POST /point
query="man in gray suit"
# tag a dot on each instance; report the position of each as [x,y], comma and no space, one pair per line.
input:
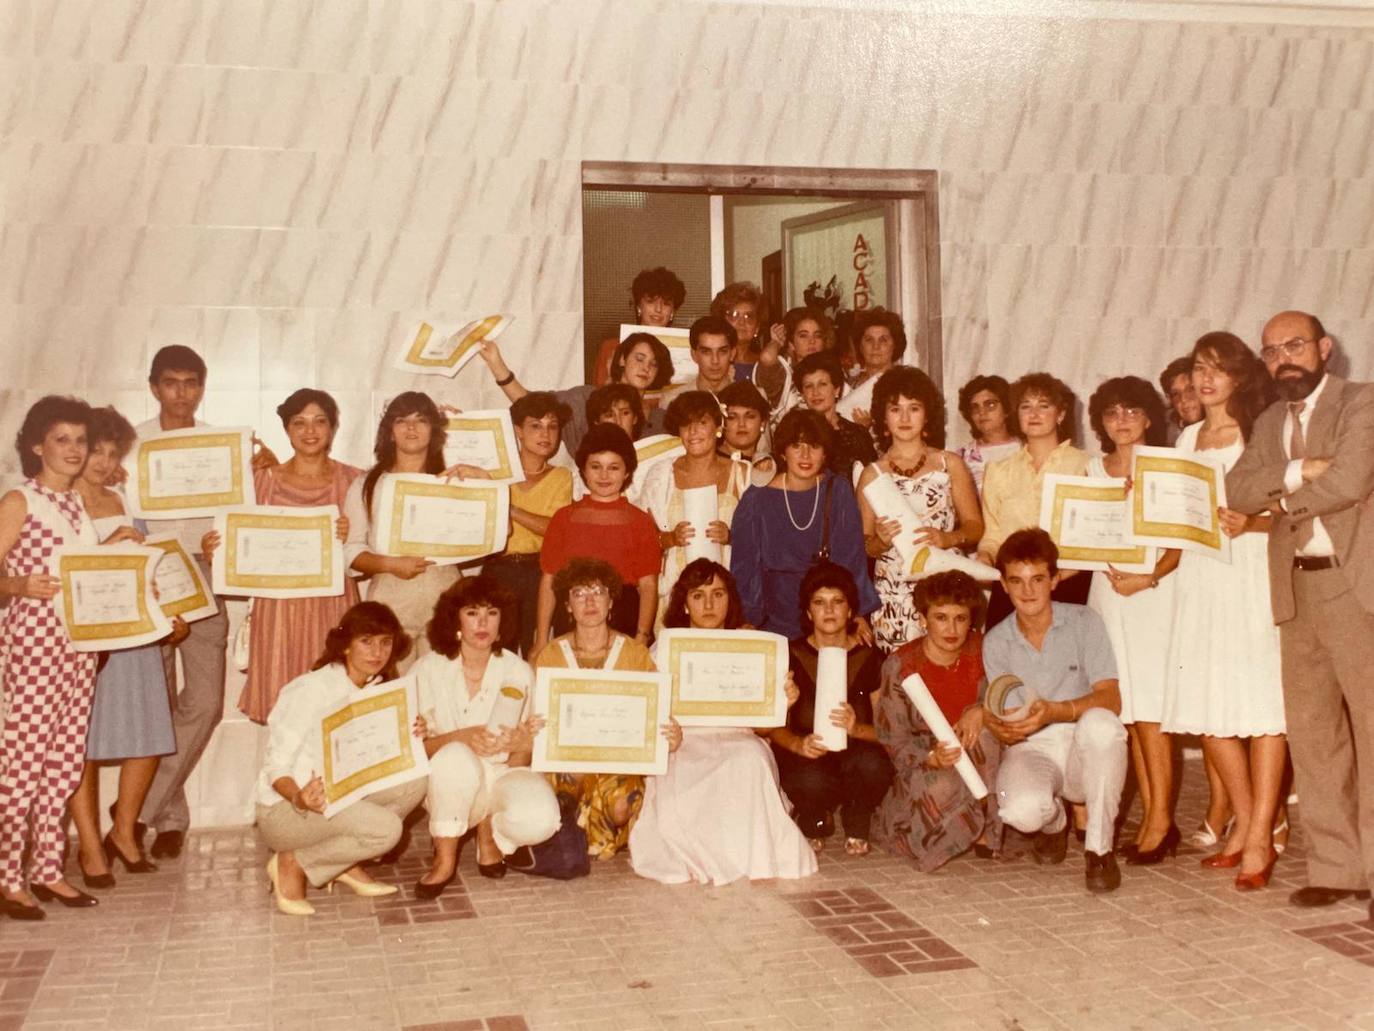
[1310,460]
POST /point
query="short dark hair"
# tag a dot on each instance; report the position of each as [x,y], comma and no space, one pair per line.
[658,282]
[662,377]
[827,362]
[606,436]
[699,573]
[46,413]
[537,404]
[743,394]
[295,404]
[1042,384]
[107,424]
[362,620]
[1180,366]
[688,407]
[716,326]
[870,317]
[796,316]
[603,399]
[952,587]
[802,426]
[178,358]
[1029,545]
[909,382]
[466,592]
[582,572]
[1132,392]
[732,294]
[995,385]
[826,574]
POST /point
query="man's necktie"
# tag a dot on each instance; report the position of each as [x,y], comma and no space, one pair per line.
[1297,448]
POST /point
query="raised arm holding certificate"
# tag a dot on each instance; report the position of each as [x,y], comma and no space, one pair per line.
[272,552]
[444,521]
[369,745]
[1175,500]
[106,601]
[192,472]
[181,587]
[725,678]
[486,440]
[601,721]
[1087,517]
[442,350]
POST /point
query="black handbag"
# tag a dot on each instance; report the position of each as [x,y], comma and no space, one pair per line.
[563,857]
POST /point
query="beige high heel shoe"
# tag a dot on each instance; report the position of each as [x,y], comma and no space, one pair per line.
[367,889]
[291,907]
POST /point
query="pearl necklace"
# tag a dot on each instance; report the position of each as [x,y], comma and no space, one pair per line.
[815,506]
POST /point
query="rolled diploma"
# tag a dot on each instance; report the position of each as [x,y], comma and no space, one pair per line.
[700,508]
[505,713]
[889,503]
[832,688]
[928,561]
[920,696]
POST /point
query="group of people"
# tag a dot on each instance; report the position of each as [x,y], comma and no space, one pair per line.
[790,431]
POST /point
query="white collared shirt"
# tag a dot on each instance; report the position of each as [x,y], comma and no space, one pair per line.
[443,697]
[295,746]
[1320,545]
[188,531]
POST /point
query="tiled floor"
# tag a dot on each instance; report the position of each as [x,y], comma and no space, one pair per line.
[867,943]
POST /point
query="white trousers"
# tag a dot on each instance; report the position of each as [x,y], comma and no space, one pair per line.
[1083,762]
[464,791]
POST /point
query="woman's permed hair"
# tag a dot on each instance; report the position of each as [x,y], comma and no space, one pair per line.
[46,413]
[412,402]
[295,404]
[802,426]
[689,406]
[1056,391]
[996,386]
[870,317]
[1129,392]
[658,282]
[469,592]
[907,381]
[826,574]
[367,618]
[607,436]
[108,425]
[585,572]
[952,587]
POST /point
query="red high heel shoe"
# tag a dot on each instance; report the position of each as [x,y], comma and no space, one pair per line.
[1259,879]
[1221,860]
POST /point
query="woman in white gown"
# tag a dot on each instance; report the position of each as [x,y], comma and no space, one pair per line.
[718,814]
[1223,678]
[1138,609]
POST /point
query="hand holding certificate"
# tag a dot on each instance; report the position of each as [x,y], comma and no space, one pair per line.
[485,440]
[189,473]
[181,587]
[1176,497]
[278,553]
[369,746]
[443,350]
[601,721]
[1087,517]
[725,678]
[445,522]
[106,600]
[918,560]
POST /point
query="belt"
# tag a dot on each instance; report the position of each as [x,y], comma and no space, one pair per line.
[523,556]
[1310,563]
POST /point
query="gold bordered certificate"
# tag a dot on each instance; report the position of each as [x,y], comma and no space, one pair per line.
[1087,517]
[601,721]
[650,451]
[444,521]
[189,473]
[369,744]
[442,350]
[181,587]
[677,341]
[725,678]
[487,440]
[1175,499]
[268,552]
[106,600]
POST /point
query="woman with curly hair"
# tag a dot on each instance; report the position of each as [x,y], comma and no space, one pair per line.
[985,404]
[656,296]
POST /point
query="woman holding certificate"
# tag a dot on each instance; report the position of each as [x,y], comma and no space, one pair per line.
[909,418]
[1223,678]
[1137,609]
[828,753]
[693,497]
[410,439]
[607,803]
[47,682]
[473,691]
[308,847]
[718,814]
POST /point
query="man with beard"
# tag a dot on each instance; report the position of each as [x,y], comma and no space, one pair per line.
[1311,461]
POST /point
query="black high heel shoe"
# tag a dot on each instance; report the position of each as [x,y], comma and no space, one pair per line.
[16,910]
[1168,845]
[426,890]
[78,901]
[98,881]
[495,870]
[112,853]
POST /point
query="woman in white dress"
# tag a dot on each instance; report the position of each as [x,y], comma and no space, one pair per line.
[1138,609]
[1224,676]
[909,416]
[473,692]
[718,814]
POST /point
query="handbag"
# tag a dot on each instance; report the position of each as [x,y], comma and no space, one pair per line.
[242,638]
[824,554]
[563,856]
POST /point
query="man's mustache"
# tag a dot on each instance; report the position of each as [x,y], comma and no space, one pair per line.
[1288,367]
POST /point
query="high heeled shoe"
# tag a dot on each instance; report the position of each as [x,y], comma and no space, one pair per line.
[16,910]
[367,889]
[1282,828]
[1168,846]
[1221,861]
[78,901]
[494,871]
[1259,879]
[1205,837]
[291,907]
[96,881]
[114,855]
[428,890]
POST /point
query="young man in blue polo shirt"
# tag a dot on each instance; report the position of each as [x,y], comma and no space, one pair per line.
[1070,744]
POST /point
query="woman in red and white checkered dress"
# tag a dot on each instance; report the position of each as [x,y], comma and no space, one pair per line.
[47,683]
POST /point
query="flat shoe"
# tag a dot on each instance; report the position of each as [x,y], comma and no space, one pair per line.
[1315,895]
[78,901]
[168,844]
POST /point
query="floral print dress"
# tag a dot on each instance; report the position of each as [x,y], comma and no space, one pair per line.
[932,497]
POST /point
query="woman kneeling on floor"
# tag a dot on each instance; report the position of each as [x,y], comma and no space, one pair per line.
[473,691]
[309,847]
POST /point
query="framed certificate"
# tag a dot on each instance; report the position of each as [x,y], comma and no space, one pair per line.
[268,552]
[725,678]
[189,473]
[601,721]
[485,439]
[1175,500]
[106,600]
[1087,518]
[661,447]
[181,587]
[369,745]
[443,351]
[445,521]
[677,341]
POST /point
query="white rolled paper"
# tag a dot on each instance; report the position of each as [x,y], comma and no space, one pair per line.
[859,398]
[918,560]
[832,691]
[928,561]
[701,508]
[926,705]
[505,713]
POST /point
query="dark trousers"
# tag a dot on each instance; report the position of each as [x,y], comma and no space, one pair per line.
[855,780]
[521,574]
[1074,590]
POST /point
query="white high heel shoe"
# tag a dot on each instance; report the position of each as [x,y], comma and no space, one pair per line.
[291,907]
[367,889]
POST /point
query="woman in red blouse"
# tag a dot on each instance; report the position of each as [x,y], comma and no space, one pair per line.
[928,815]
[604,525]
